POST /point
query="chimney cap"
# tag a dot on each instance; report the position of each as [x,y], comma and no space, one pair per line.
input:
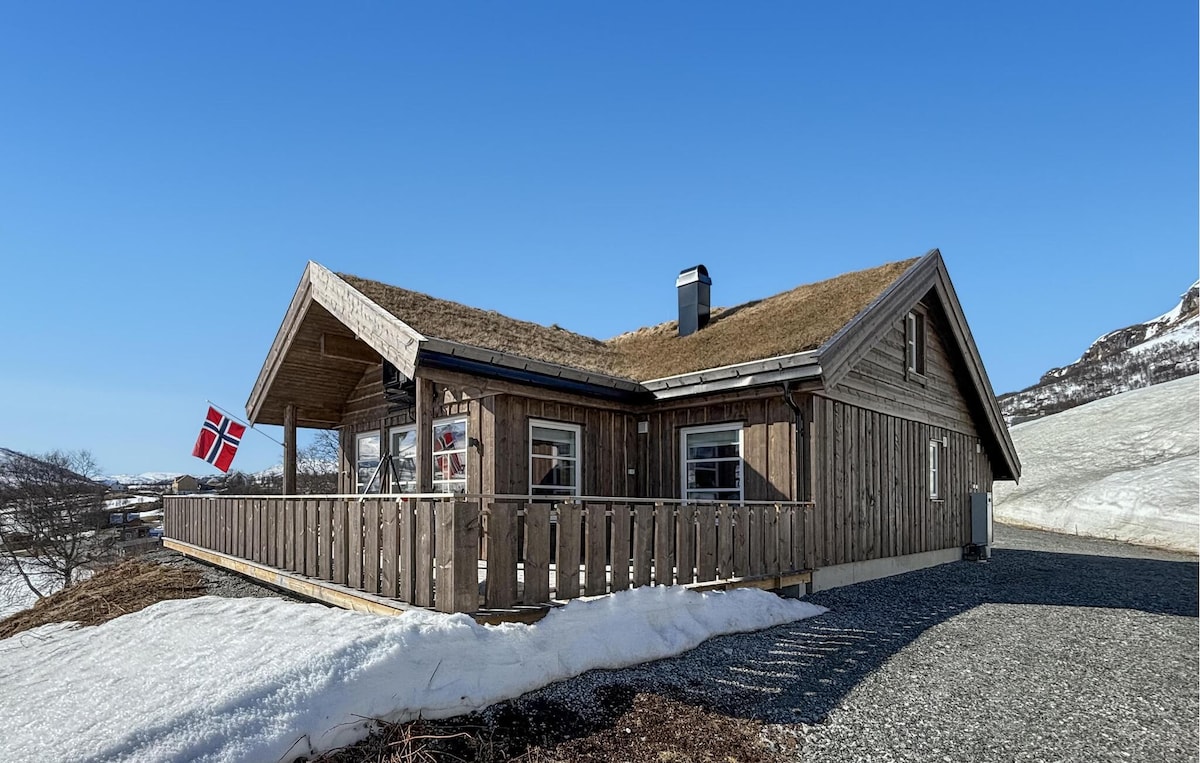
[692,275]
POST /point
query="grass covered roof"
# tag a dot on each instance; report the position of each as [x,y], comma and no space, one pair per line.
[793,321]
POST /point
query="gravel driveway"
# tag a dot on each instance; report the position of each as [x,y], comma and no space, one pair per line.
[1058,648]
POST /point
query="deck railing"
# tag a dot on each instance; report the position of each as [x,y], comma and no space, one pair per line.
[460,553]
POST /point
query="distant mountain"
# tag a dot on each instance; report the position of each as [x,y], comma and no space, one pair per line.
[1124,468]
[1159,350]
[145,478]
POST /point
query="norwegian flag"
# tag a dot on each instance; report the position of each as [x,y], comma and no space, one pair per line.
[219,439]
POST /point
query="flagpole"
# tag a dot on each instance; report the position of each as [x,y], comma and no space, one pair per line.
[243,421]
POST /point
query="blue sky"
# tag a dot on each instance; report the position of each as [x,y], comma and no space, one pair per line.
[166,170]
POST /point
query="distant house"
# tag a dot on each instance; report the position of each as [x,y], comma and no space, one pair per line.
[184,484]
[862,400]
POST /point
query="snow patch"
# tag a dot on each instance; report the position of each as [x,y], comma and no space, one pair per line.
[1126,467]
[265,679]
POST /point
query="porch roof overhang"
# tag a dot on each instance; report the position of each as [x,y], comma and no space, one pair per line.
[332,333]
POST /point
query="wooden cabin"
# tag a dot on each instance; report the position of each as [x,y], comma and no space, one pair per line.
[860,403]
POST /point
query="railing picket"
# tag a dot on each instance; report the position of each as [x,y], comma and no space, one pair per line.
[725,535]
[310,538]
[341,544]
[354,534]
[423,560]
[537,554]
[325,540]
[741,541]
[685,543]
[567,554]
[389,549]
[458,526]
[619,555]
[371,529]
[643,543]
[501,525]
[596,574]
[406,518]
[706,543]
[664,532]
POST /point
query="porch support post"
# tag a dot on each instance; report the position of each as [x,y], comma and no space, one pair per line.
[425,407]
[289,449]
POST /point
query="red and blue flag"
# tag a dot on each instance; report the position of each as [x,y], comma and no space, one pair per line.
[219,439]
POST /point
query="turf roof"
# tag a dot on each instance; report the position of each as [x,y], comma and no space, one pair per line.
[793,321]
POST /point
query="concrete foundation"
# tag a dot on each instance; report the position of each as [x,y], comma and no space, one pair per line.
[858,572]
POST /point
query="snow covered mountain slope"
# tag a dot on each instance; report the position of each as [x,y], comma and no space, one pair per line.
[1153,352]
[1126,467]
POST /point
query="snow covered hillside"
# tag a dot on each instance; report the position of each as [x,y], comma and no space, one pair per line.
[1137,356]
[1126,467]
[271,680]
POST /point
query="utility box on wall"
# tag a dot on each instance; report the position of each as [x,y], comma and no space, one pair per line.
[981,523]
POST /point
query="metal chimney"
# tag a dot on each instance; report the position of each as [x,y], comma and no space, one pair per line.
[694,287]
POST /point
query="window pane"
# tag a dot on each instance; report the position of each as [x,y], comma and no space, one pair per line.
[367,461]
[450,436]
[719,444]
[404,443]
[553,442]
[714,474]
[450,467]
[552,471]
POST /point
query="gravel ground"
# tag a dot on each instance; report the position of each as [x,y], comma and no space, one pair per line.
[1058,648]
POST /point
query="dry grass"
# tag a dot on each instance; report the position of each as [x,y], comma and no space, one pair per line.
[794,321]
[118,590]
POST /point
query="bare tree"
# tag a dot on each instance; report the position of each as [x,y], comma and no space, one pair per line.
[52,516]
[317,467]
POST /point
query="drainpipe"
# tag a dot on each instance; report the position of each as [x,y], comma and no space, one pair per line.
[801,492]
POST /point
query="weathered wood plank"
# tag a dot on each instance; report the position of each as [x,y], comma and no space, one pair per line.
[457,537]
[706,542]
[643,543]
[423,556]
[371,527]
[685,544]
[354,534]
[325,539]
[341,542]
[568,552]
[741,541]
[537,553]
[500,520]
[664,531]
[406,546]
[725,540]
[595,539]
[310,537]
[620,554]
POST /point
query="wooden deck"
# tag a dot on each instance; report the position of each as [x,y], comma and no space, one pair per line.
[494,557]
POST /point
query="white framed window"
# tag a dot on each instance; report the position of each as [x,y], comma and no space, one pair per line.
[403,452]
[935,469]
[711,463]
[553,458]
[450,455]
[914,342]
[366,461]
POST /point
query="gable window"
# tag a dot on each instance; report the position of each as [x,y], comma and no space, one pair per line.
[403,451]
[366,462]
[914,342]
[935,469]
[553,458]
[450,456]
[711,468]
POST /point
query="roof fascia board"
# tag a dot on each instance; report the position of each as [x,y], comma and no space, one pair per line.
[808,357]
[976,370]
[297,310]
[391,337]
[845,348]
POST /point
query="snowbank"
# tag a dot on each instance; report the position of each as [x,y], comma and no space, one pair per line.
[1126,467]
[265,679]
